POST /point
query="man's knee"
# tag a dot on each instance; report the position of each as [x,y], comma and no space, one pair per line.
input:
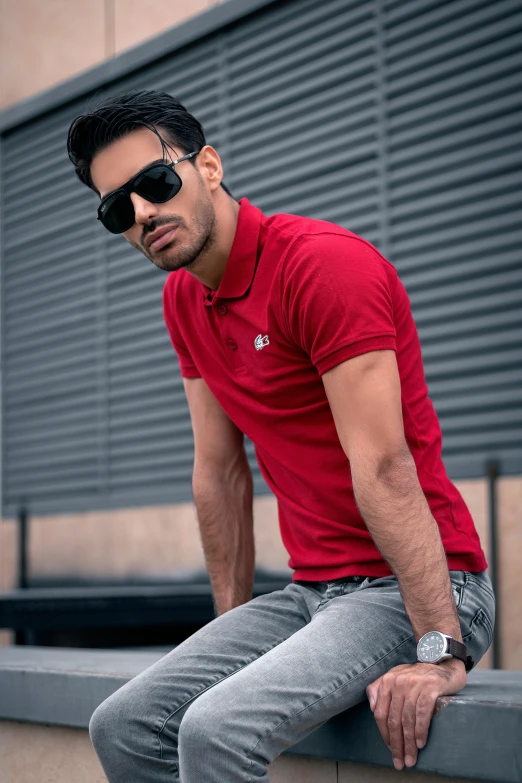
[109,721]
[201,724]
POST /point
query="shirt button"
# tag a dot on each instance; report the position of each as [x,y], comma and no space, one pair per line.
[232,345]
[222,309]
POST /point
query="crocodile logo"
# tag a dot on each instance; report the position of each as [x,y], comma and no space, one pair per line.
[260,342]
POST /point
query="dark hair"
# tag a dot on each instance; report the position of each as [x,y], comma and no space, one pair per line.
[115,117]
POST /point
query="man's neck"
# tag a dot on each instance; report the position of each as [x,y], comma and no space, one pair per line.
[212,263]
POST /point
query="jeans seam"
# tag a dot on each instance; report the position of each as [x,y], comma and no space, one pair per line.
[480,618]
[349,680]
[197,696]
[482,586]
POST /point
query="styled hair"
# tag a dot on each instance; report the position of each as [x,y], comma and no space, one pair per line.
[115,117]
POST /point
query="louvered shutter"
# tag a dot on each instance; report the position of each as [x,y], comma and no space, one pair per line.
[398,120]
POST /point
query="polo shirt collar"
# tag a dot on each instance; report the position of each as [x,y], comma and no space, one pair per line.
[241,263]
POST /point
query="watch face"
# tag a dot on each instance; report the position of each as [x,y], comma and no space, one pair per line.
[431,646]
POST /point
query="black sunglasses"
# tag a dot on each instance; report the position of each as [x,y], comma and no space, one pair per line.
[156,183]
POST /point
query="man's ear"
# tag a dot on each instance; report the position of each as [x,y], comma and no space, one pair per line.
[210,167]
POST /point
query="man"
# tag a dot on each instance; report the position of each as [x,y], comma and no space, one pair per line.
[299,334]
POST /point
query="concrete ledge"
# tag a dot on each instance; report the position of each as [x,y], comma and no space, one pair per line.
[56,754]
[475,736]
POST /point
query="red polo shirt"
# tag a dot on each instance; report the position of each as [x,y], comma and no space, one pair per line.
[298,297]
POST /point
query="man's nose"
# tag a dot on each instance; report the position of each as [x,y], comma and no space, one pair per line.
[144,210]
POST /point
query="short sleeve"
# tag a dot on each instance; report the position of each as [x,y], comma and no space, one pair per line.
[337,298]
[186,363]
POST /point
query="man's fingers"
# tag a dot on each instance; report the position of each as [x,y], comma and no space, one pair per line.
[403,701]
[409,717]
[381,708]
[395,728]
[425,708]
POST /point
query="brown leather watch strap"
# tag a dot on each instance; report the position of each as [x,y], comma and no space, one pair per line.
[459,650]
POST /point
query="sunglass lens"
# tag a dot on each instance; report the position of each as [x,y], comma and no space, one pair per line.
[118,214]
[158,184]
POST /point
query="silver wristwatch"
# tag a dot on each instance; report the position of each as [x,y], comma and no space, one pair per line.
[435,647]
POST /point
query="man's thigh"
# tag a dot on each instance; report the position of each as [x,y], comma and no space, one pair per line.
[158,697]
[320,670]
[356,634]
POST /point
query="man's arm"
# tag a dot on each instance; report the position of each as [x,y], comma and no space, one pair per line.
[365,398]
[223,495]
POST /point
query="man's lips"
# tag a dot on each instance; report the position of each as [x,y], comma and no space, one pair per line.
[160,237]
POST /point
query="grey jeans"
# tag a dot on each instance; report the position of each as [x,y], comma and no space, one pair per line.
[228,700]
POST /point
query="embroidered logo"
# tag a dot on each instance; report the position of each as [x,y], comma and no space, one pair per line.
[260,342]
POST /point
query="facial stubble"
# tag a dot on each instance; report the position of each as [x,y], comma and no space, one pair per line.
[201,238]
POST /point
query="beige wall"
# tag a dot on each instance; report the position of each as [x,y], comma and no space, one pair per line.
[45,43]
[163,539]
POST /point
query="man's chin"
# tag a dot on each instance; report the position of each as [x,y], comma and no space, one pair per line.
[171,264]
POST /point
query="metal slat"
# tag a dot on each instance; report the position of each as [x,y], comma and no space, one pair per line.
[288,86]
[460,441]
[414,239]
[44,464]
[288,169]
[481,420]
[24,435]
[449,390]
[492,154]
[445,219]
[487,132]
[494,81]
[241,35]
[142,373]
[346,125]
[43,230]
[351,128]
[28,487]
[403,12]
[31,387]
[444,287]
[160,479]
[20,260]
[503,399]
[477,249]
[48,410]
[439,365]
[444,14]
[298,49]
[436,46]
[353,94]
[60,389]
[456,267]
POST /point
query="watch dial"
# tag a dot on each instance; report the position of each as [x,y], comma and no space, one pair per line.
[431,647]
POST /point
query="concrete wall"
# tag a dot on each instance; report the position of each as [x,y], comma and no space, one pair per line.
[43,44]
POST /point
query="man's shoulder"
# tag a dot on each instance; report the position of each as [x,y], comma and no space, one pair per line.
[303,239]
[305,229]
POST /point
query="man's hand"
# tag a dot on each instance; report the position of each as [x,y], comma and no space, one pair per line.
[403,701]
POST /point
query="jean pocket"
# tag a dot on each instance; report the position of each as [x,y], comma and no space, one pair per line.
[458,582]
[478,636]
[477,617]
[483,581]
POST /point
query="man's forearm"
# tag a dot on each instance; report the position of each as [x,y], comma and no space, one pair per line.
[224,509]
[402,526]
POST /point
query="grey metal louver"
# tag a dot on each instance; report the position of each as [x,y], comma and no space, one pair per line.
[398,120]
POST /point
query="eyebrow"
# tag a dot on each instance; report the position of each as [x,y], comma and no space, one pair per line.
[152,163]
